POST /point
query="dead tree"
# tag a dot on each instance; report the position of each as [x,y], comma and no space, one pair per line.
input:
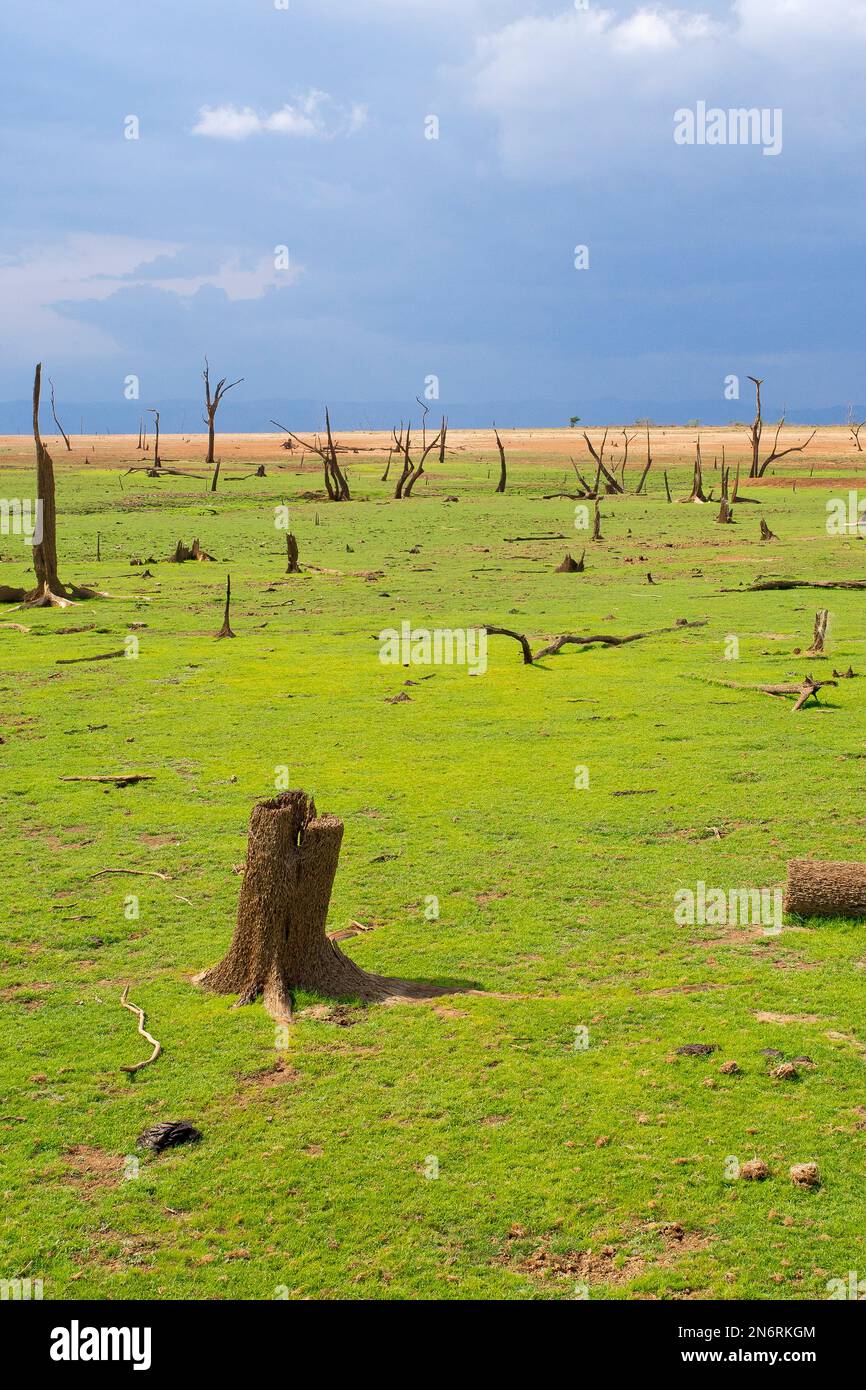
[758,469]
[596,523]
[822,619]
[503,475]
[628,439]
[212,401]
[279,943]
[647,466]
[757,430]
[49,591]
[408,466]
[416,474]
[828,889]
[766,533]
[155,414]
[339,482]
[444,434]
[777,453]
[292,554]
[226,629]
[56,421]
[336,483]
[855,433]
[697,493]
[611,483]
[667,486]
[726,511]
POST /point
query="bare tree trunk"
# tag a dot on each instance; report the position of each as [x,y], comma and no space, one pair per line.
[822,618]
[830,889]
[58,424]
[756,431]
[503,476]
[292,554]
[279,943]
[227,627]
[45,553]
[212,404]
[648,466]
[49,592]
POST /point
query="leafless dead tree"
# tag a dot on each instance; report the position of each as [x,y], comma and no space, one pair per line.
[503,473]
[56,421]
[212,405]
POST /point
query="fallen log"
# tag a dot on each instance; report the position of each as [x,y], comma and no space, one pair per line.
[118,779]
[100,656]
[825,889]
[763,585]
[571,639]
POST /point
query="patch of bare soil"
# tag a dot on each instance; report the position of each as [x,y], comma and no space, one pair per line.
[786,1018]
[343,1015]
[90,1168]
[279,1074]
[158,841]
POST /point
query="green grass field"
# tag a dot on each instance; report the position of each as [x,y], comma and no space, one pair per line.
[561,1168]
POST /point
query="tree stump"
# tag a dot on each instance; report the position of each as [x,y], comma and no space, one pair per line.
[830,889]
[279,943]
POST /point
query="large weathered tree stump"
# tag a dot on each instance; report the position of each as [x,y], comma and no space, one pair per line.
[830,889]
[279,944]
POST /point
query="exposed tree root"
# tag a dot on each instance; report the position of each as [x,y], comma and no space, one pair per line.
[157,1046]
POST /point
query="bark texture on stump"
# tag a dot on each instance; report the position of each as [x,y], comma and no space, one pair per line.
[829,889]
[279,943]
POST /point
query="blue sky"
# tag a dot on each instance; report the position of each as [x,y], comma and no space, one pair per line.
[304,127]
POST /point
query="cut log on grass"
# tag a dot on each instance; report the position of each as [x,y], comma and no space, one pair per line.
[226,629]
[279,943]
[805,691]
[826,889]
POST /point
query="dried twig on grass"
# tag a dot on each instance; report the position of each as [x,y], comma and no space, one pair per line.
[139,873]
[157,1046]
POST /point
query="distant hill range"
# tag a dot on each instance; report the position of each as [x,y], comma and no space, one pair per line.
[237,416]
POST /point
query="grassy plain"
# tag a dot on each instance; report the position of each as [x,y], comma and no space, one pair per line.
[558,1166]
